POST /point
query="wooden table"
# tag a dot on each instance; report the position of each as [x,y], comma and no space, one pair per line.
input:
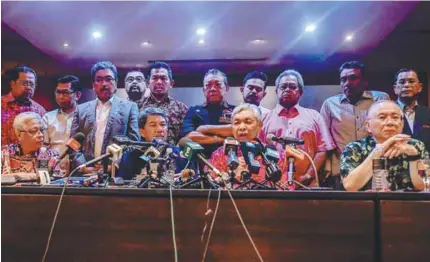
[135,225]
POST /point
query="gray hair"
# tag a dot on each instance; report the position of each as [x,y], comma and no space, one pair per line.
[215,71]
[247,107]
[291,72]
[22,119]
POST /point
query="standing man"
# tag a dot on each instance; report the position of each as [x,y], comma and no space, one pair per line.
[407,87]
[22,82]
[160,81]
[254,89]
[345,114]
[58,123]
[135,86]
[214,111]
[106,116]
[289,119]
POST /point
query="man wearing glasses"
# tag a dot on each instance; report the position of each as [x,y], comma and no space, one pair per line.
[345,114]
[160,80]
[384,123]
[58,123]
[106,116]
[407,87]
[135,86]
[22,81]
[289,119]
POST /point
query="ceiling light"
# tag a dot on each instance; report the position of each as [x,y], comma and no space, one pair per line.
[66,45]
[349,37]
[310,28]
[97,34]
[201,41]
[201,31]
[258,41]
[146,43]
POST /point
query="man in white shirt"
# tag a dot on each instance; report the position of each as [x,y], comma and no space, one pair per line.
[57,123]
[106,116]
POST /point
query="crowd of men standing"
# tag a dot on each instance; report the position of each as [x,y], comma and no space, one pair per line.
[343,118]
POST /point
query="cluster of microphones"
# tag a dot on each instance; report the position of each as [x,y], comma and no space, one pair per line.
[155,154]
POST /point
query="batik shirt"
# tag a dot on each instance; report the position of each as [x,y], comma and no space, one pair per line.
[175,112]
[398,168]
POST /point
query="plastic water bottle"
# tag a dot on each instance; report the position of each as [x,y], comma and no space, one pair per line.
[380,174]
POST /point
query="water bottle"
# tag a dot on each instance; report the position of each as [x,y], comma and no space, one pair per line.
[380,174]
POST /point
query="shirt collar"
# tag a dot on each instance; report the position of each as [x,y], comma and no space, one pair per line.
[365,95]
[402,105]
[9,98]
[110,101]
[223,104]
[279,108]
[167,99]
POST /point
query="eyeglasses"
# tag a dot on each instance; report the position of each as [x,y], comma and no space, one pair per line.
[395,118]
[63,92]
[26,83]
[33,132]
[292,87]
[131,79]
[108,79]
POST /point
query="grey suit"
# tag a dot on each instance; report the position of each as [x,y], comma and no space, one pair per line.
[122,120]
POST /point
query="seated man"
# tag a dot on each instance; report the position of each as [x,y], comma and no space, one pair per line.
[153,123]
[246,125]
[385,124]
[21,160]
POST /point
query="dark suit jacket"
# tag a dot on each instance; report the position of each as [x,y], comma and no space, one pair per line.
[122,120]
[421,126]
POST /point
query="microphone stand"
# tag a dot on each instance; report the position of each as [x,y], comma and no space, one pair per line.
[150,179]
[203,179]
[249,180]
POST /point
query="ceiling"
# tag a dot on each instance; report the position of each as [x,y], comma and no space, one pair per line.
[170,28]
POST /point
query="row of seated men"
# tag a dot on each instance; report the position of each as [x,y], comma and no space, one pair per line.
[345,132]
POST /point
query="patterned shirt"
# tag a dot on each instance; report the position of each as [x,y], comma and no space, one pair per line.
[13,161]
[398,168]
[175,111]
[10,108]
[298,122]
[346,121]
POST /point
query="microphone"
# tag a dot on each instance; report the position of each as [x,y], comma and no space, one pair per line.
[73,145]
[192,150]
[125,140]
[285,140]
[10,180]
[113,150]
[273,172]
[230,149]
[250,151]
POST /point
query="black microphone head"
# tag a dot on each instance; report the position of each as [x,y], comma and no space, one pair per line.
[121,140]
[271,137]
[79,137]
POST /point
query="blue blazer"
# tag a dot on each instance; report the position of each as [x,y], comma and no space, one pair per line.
[122,120]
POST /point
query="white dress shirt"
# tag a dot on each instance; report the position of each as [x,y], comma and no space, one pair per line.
[102,114]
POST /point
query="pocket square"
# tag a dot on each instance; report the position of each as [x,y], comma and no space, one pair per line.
[425,126]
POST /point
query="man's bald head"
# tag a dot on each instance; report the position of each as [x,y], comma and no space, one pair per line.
[378,105]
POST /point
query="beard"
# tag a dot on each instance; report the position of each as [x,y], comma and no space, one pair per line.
[135,95]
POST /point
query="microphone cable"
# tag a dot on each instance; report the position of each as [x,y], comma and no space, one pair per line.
[207,213]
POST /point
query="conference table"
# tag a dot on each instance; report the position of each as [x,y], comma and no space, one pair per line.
[126,224]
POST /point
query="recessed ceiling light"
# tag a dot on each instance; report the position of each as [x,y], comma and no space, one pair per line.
[258,41]
[201,41]
[310,28]
[66,45]
[349,37]
[146,43]
[201,31]
[97,34]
